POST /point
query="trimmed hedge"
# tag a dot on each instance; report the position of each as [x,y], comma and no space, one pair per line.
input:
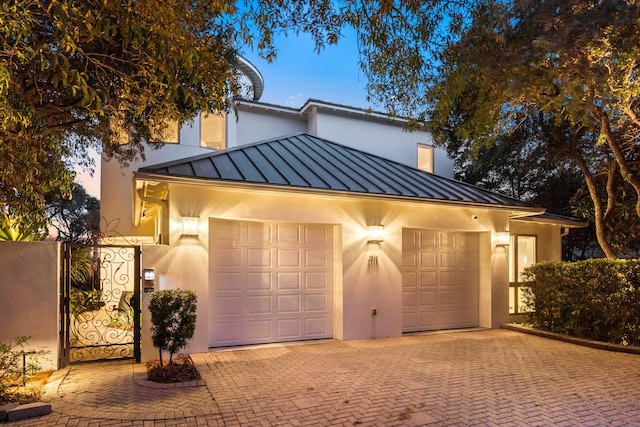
[595,299]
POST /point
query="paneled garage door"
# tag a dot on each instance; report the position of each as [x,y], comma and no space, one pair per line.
[270,282]
[439,280]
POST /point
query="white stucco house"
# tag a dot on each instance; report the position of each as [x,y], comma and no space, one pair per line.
[323,222]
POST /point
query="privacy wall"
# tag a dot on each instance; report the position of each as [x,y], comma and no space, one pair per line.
[29,296]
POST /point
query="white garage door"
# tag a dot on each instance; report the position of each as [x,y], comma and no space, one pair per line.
[270,282]
[439,280]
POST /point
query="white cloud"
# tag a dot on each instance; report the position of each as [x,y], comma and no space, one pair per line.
[294,100]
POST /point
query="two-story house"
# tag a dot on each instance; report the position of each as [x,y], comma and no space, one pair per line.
[323,222]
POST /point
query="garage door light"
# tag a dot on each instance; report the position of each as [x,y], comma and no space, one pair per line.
[375,233]
[502,238]
[190,226]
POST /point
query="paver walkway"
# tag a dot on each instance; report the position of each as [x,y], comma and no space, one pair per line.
[485,378]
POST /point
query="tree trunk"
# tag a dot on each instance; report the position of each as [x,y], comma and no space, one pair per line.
[597,205]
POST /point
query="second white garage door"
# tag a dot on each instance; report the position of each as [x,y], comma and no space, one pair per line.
[439,280]
[270,282]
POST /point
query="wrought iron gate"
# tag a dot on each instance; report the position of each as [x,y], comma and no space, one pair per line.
[100,303]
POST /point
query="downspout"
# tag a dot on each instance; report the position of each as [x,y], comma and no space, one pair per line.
[163,219]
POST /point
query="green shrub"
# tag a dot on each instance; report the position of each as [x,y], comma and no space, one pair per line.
[173,318]
[17,228]
[15,368]
[81,301]
[82,268]
[594,299]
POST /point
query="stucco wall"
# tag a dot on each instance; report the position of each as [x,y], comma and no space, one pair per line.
[250,126]
[29,296]
[185,262]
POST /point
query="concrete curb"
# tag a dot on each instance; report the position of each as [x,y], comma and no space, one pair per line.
[4,409]
[28,410]
[573,340]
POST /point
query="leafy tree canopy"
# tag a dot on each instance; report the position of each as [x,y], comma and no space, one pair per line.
[75,219]
[570,65]
[73,72]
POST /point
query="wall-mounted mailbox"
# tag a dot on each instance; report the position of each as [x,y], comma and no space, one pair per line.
[149,279]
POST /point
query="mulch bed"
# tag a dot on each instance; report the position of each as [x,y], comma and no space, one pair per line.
[28,393]
[181,369]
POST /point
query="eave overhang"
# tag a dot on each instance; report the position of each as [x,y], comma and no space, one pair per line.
[553,219]
[157,179]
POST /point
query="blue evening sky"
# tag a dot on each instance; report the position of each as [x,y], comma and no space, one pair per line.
[299,73]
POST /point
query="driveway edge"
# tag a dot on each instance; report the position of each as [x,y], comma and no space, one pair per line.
[573,340]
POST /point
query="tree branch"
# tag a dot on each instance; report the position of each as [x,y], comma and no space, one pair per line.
[612,141]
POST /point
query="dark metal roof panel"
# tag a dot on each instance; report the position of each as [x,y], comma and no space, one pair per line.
[184,169]
[226,168]
[328,175]
[371,172]
[265,166]
[305,161]
[204,168]
[246,167]
[288,172]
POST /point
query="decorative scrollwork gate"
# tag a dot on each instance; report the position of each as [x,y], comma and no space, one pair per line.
[101,302]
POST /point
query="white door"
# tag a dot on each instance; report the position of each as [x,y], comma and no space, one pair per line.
[439,280]
[270,282]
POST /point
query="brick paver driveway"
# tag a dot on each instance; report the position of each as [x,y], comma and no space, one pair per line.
[478,378]
[493,377]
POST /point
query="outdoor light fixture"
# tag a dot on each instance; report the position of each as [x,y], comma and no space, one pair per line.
[502,238]
[375,233]
[190,225]
[149,276]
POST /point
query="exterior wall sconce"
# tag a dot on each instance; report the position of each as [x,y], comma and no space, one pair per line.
[149,277]
[502,238]
[375,233]
[190,226]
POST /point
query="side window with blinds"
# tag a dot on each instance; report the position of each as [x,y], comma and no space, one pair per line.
[171,133]
[120,135]
[213,132]
[425,157]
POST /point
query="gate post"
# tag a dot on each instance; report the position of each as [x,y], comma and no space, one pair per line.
[65,289]
[137,312]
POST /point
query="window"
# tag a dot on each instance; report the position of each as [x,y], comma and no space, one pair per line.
[522,254]
[425,157]
[117,131]
[213,131]
[170,134]
[121,136]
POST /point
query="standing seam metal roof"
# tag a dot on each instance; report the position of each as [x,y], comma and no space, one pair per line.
[306,161]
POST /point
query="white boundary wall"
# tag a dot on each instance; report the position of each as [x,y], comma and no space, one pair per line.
[30,297]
